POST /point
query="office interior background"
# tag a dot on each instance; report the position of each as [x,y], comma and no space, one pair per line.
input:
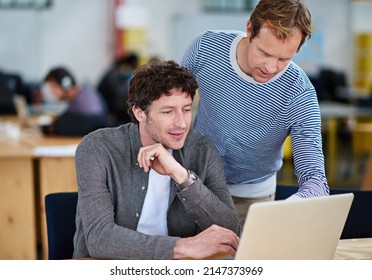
[86,36]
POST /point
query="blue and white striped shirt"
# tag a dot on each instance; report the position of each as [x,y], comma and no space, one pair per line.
[249,121]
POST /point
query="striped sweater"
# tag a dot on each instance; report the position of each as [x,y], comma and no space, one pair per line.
[249,121]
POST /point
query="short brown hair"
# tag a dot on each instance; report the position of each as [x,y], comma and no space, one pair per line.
[281,16]
[150,81]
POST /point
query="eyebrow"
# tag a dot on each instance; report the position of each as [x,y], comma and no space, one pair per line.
[169,106]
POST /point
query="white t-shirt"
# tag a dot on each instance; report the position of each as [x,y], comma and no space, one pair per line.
[153,220]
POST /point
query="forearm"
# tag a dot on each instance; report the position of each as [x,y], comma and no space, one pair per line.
[123,243]
[207,208]
[307,147]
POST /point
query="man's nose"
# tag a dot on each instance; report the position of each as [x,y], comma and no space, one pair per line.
[272,65]
[180,120]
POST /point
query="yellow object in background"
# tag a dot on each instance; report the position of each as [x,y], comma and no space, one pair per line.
[287,148]
[363,64]
[364,40]
[135,39]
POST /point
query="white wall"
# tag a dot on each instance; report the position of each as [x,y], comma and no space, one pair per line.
[20,35]
[75,33]
[361,14]
[185,26]
[335,18]
[161,13]
[78,33]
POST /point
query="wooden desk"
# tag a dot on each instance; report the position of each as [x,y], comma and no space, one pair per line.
[56,174]
[347,249]
[25,180]
[354,249]
[17,202]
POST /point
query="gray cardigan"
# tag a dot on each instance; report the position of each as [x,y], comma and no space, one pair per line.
[112,190]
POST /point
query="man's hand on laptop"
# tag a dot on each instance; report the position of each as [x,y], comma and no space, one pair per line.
[215,240]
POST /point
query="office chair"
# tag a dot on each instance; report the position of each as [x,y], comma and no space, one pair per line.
[359,220]
[78,124]
[60,210]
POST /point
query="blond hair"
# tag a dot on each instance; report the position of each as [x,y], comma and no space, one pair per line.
[282,17]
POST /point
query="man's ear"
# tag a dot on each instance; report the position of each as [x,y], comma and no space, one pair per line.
[248,29]
[139,114]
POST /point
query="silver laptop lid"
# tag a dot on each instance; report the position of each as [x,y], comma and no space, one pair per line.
[294,229]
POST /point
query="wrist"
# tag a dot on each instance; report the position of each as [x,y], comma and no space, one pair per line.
[181,176]
[191,179]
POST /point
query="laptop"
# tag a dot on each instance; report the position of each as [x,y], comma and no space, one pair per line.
[22,111]
[300,229]
[43,112]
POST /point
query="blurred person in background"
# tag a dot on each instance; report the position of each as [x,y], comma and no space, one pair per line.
[113,86]
[86,109]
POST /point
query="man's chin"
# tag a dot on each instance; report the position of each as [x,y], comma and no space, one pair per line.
[175,145]
[260,79]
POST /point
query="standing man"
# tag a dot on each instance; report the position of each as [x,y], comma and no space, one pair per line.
[151,189]
[252,96]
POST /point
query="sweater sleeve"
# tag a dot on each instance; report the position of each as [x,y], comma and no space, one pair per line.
[305,131]
[208,200]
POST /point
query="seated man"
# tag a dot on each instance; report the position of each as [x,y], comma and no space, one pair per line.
[86,109]
[81,99]
[151,189]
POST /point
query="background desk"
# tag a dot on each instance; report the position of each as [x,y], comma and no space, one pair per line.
[25,180]
[331,112]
